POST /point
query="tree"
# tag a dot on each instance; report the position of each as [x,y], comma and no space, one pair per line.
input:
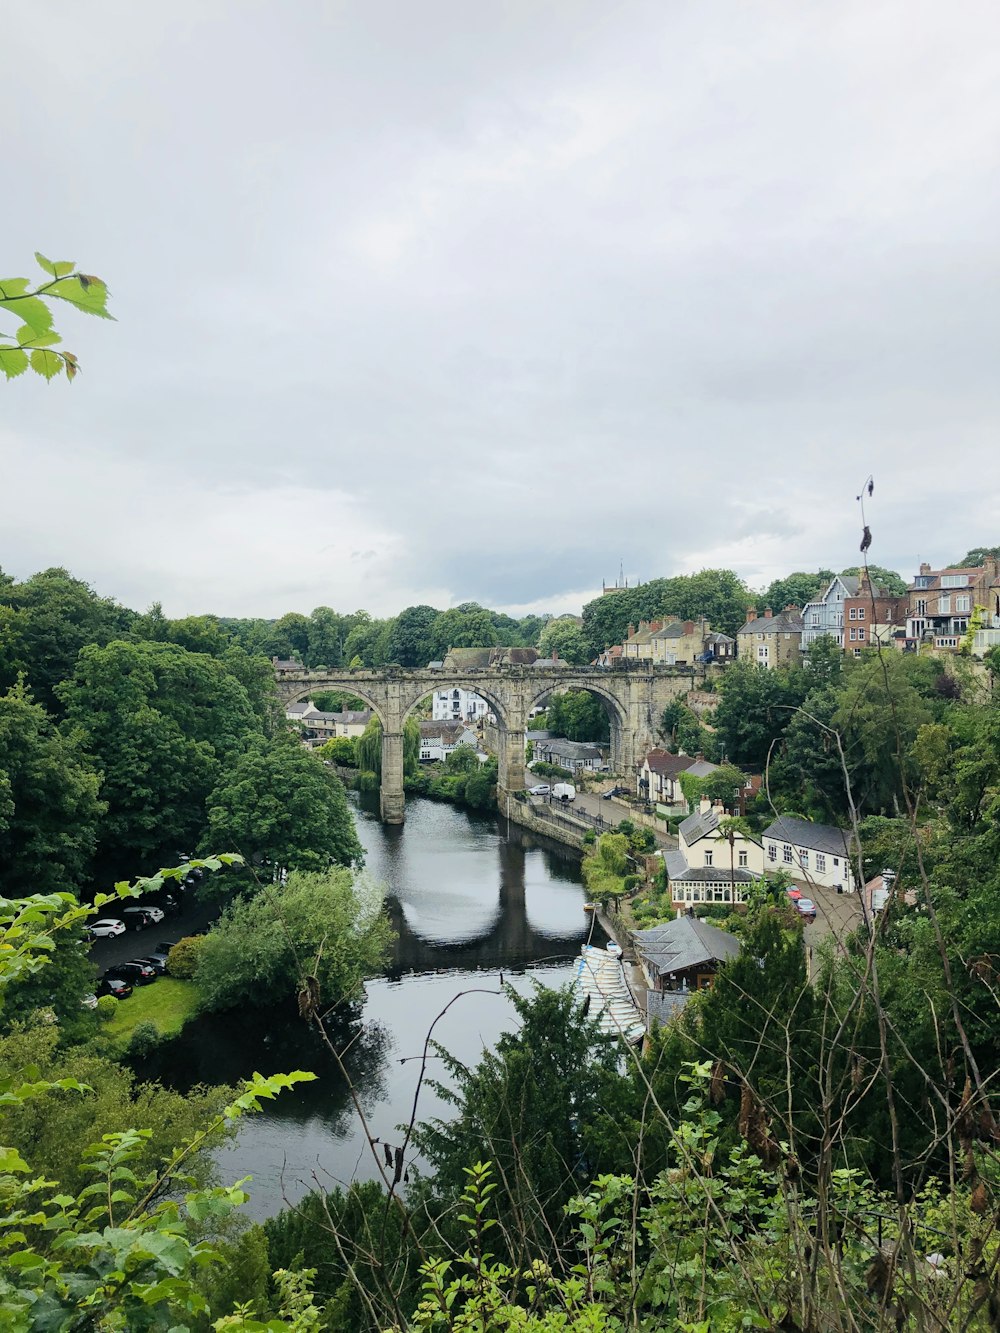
[45,622]
[32,342]
[160,724]
[326,636]
[888,579]
[978,556]
[795,589]
[326,928]
[578,715]
[755,706]
[289,638]
[564,637]
[49,803]
[280,807]
[723,785]
[410,641]
[465,626]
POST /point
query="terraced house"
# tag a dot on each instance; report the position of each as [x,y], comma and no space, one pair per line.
[942,603]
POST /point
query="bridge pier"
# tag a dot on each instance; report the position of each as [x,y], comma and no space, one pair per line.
[392,802]
[510,757]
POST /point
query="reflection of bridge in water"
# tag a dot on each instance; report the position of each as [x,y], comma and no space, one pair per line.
[633,696]
[506,936]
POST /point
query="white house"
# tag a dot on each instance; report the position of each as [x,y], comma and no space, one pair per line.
[711,864]
[439,739]
[816,853]
[573,755]
[457,705]
[826,614]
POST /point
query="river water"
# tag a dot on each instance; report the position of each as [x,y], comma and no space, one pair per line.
[470,901]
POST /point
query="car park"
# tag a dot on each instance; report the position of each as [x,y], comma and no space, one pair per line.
[541,789]
[105,928]
[156,961]
[806,908]
[114,985]
[136,970]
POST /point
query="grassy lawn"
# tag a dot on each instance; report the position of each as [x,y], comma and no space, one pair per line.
[167,1002]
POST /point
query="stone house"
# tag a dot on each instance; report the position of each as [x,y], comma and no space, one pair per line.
[684,642]
[573,755]
[812,853]
[771,640]
[637,646]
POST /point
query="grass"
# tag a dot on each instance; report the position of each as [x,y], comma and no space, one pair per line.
[167,1002]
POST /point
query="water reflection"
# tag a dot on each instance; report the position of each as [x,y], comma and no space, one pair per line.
[469,900]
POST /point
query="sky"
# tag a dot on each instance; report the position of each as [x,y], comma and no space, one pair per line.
[478,302]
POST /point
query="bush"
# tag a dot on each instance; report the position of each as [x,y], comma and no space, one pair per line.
[106,1006]
[632,882]
[182,961]
[627,827]
[144,1040]
[589,838]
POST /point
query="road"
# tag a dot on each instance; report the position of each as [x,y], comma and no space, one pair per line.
[606,813]
[134,943]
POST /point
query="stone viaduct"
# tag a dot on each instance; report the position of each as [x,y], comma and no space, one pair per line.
[634,696]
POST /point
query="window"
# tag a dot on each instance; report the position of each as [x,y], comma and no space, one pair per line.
[772,852]
[743,859]
[853,613]
[814,619]
[857,652]
[719,893]
[854,634]
[708,858]
[954,580]
[861,633]
[804,859]
[963,604]
[787,854]
[861,613]
[820,863]
[944,606]
[921,607]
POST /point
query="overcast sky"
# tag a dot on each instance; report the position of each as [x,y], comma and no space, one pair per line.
[463,301]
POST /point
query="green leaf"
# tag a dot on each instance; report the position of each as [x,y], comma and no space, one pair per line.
[11,1160]
[46,363]
[85,292]
[46,264]
[33,311]
[11,287]
[27,337]
[13,361]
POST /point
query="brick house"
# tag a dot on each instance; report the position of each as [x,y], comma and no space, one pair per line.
[942,602]
[872,615]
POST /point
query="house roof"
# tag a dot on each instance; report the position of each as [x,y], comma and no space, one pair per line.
[446,729]
[662,761]
[701,768]
[934,578]
[785,622]
[685,943]
[715,875]
[463,659]
[302,706]
[716,637]
[804,833]
[698,825]
[286,664]
[353,716]
[571,749]
[663,1005]
[672,630]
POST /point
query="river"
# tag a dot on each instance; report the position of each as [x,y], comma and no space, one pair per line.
[469,900]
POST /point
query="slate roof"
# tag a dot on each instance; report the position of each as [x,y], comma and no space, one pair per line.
[785,622]
[569,749]
[662,761]
[676,863]
[464,659]
[663,1005]
[302,706]
[701,768]
[714,875]
[698,825]
[804,833]
[685,943]
[673,629]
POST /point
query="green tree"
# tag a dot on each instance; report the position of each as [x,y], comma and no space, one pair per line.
[410,641]
[49,803]
[564,637]
[978,556]
[31,340]
[326,637]
[326,926]
[289,638]
[465,626]
[755,706]
[160,724]
[578,715]
[794,589]
[888,579]
[280,807]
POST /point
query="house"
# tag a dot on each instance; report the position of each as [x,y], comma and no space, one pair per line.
[825,616]
[319,726]
[286,664]
[658,776]
[457,705]
[816,853]
[609,657]
[711,864]
[466,659]
[684,642]
[943,601]
[574,755]
[771,640]
[680,957]
[439,739]
[872,616]
[637,646]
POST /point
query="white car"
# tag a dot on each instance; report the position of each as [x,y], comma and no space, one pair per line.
[541,790]
[137,917]
[107,926]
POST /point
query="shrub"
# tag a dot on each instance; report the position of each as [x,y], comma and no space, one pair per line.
[589,838]
[144,1040]
[106,1006]
[631,882]
[182,961]
[627,827]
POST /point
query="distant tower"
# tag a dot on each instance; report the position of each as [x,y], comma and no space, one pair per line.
[620,585]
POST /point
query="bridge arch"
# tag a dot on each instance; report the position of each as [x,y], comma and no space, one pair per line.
[618,719]
[361,694]
[471,686]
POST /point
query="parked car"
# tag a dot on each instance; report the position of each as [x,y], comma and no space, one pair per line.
[89,1001]
[612,791]
[542,789]
[805,907]
[564,791]
[138,918]
[105,928]
[116,986]
[170,902]
[794,894]
[136,970]
[158,962]
[158,956]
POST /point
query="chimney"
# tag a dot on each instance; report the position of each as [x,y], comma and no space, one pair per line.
[925,568]
[718,807]
[704,806]
[792,609]
[699,758]
[655,625]
[555,655]
[631,630]
[767,613]
[751,614]
[689,627]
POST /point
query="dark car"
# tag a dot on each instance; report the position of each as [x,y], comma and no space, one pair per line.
[170,902]
[136,970]
[157,962]
[116,986]
[158,956]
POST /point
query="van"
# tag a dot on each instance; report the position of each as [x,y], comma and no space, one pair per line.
[564,791]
